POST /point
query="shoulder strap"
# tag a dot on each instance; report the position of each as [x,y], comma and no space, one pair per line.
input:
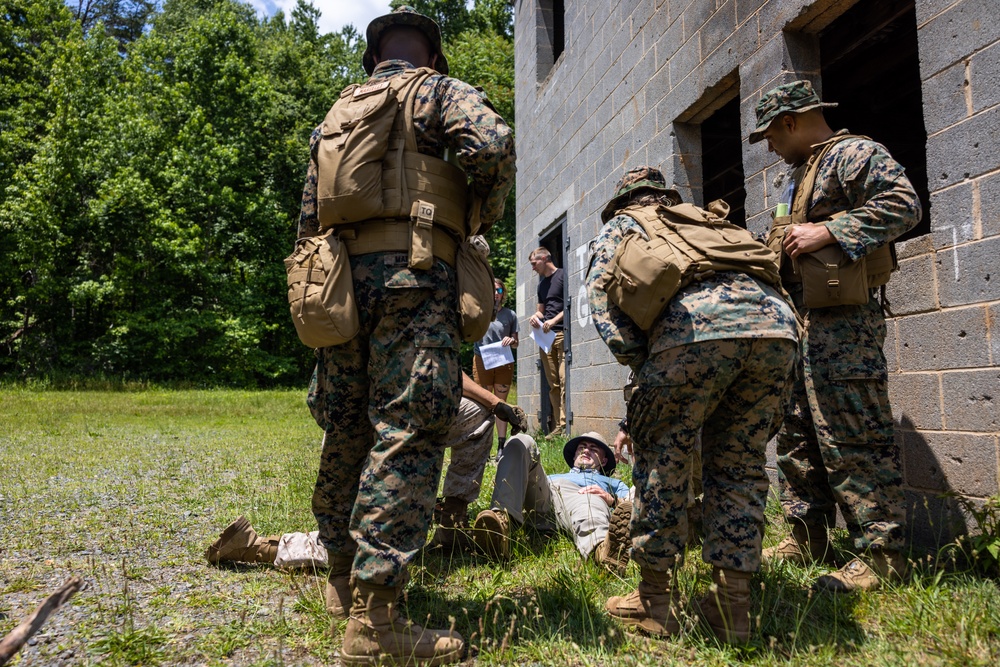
[803,190]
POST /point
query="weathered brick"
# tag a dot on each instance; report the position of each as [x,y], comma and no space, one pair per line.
[916,400]
[985,78]
[958,32]
[944,98]
[947,165]
[972,399]
[933,521]
[913,289]
[969,273]
[891,347]
[953,220]
[950,461]
[989,204]
[715,31]
[746,8]
[954,338]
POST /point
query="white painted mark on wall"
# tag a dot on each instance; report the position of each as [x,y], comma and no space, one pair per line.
[954,244]
[582,302]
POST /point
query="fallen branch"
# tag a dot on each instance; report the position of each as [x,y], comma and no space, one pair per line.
[13,642]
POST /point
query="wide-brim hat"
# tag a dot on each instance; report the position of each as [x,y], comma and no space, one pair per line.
[794,97]
[569,452]
[403,16]
[640,178]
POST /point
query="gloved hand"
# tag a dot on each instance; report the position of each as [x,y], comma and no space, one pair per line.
[513,415]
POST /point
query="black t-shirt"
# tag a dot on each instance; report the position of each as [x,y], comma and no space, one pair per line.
[550,295]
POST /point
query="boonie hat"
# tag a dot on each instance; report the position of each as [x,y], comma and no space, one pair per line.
[796,97]
[640,178]
[403,15]
[569,452]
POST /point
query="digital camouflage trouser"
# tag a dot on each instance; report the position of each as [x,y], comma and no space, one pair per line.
[386,399]
[837,446]
[732,392]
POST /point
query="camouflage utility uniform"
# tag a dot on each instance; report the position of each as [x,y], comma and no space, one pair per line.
[837,445]
[387,398]
[716,362]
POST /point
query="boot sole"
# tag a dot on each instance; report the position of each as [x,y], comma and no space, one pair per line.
[649,627]
[402,661]
[229,533]
[489,538]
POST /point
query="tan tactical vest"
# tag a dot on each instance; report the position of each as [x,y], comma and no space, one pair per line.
[879,264]
[369,167]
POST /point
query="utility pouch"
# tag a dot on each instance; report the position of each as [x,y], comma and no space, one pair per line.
[421,242]
[321,291]
[642,277]
[775,239]
[829,278]
[476,304]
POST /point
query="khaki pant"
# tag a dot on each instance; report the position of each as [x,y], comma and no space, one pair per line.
[554,363]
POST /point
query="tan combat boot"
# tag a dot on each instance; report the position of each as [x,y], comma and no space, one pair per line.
[651,607]
[613,552]
[453,529]
[860,576]
[239,543]
[805,545]
[338,585]
[377,634]
[491,533]
[726,608]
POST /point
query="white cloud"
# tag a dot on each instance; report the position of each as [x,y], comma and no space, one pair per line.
[335,13]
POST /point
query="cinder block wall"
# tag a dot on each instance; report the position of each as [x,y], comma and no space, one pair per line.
[634,81]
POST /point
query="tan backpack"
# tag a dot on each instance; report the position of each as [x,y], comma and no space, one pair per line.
[686,243]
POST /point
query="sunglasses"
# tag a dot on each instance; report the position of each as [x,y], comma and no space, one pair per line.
[499,290]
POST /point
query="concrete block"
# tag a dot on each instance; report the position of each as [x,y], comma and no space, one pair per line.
[657,25]
[913,288]
[965,28]
[754,203]
[915,247]
[985,78]
[719,26]
[944,98]
[695,16]
[977,137]
[684,63]
[916,400]
[891,346]
[972,400]
[954,338]
[746,8]
[953,222]
[970,273]
[989,205]
[950,461]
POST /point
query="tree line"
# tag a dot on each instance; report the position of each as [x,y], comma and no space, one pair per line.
[151,169]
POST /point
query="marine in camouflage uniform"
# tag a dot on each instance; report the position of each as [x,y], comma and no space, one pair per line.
[716,362]
[837,447]
[388,397]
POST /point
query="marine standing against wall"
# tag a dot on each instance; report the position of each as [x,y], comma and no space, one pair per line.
[837,446]
[387,397]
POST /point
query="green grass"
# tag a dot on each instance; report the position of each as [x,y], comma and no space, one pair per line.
[126,489]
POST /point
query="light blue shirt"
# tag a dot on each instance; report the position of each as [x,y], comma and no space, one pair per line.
[583,478]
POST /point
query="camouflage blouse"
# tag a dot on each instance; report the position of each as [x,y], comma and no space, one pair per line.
[860,180]
[447,114]
[725,305]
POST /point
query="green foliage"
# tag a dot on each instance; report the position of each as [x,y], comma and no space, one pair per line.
[982,548]
[151,170]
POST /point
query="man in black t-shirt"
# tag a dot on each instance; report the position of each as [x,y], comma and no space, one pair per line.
[549,317]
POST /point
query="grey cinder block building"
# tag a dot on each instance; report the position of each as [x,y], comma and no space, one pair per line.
[605,86]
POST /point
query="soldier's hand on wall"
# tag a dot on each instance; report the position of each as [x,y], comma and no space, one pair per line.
[513,415]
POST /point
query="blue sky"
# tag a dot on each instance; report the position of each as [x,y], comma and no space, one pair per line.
[335,13]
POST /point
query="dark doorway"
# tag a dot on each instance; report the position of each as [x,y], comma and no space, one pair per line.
[871,68]
[553,239]
[551,35]
[722,160]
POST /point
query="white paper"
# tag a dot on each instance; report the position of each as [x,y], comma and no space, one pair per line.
[544,340]
[496,354]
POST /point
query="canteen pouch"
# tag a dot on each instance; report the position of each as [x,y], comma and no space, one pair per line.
[421,243]
[642,277]
[476,305]
[321,291]
[829,278]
